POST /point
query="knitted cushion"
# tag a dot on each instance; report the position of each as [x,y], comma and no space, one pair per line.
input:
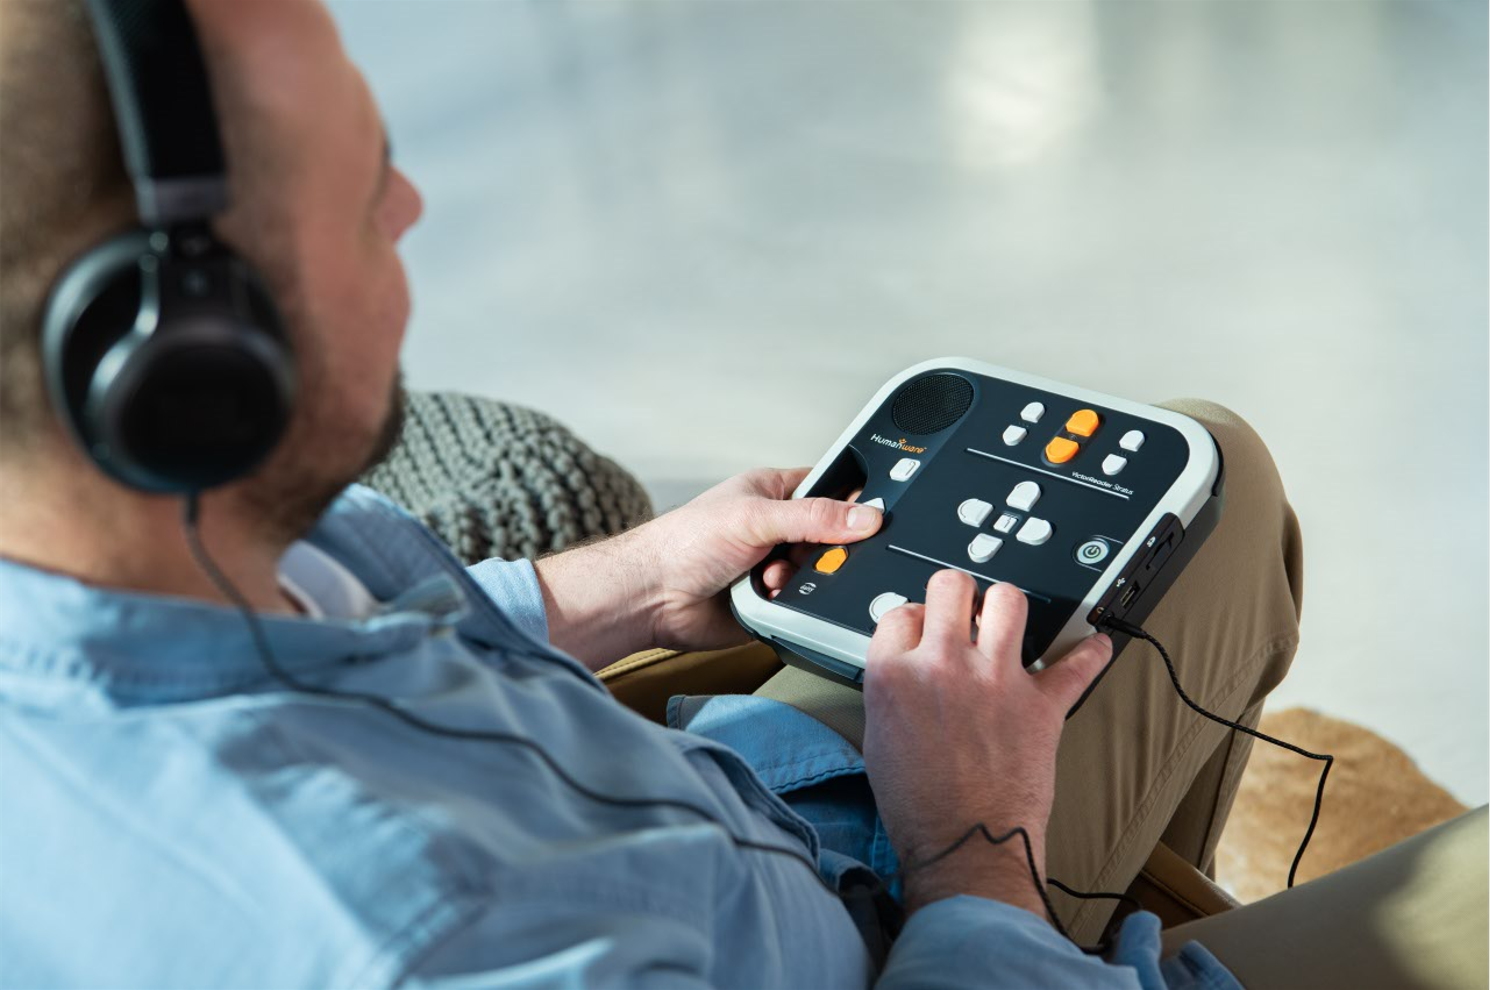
[497,480]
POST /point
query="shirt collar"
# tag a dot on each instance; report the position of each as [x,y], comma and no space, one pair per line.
[60,637]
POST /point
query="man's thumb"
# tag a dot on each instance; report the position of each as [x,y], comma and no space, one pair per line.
[814,520]
[1075,672]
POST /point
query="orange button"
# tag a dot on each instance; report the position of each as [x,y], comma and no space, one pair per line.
[1060,450]
[1083,423]
[829,562]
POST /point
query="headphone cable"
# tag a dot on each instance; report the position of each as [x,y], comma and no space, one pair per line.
[190,525]
[1137,632]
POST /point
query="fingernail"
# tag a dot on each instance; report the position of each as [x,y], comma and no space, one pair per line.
[1103,639]
[861,518]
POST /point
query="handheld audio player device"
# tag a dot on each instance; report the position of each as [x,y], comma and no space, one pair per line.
[1089,504]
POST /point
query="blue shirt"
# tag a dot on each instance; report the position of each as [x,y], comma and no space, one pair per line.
[175,817]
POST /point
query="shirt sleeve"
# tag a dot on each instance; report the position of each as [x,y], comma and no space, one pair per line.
[962,942]
[528,949]
[976,942]
[513,586]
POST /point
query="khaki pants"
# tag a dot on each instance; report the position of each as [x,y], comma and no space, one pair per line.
[1412,917]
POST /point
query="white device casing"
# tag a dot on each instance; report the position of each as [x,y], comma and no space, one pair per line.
[1184,499]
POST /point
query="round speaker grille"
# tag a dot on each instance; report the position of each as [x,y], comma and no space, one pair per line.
[932,403]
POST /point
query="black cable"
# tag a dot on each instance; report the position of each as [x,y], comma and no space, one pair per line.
[266,657]
[998,840]
[1097,895]
[1127,628]
[189,520]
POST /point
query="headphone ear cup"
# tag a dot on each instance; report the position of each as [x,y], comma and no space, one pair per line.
[173,376]
[94,304]
[201,402]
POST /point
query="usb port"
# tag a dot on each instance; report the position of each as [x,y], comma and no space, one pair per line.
[1129,595]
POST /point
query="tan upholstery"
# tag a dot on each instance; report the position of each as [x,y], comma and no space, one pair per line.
[1176,891]
[644,681]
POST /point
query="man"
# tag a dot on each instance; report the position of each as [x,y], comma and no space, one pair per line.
[177,816]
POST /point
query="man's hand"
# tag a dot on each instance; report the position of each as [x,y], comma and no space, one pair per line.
[664,584]
[957,734]
[705,546]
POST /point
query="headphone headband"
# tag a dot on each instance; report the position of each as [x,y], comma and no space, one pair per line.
[164,354]
[163,104]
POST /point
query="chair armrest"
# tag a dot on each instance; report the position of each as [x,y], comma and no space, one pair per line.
[1176,891]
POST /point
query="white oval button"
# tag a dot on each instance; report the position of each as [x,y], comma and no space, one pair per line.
[883,603]
[983,547]
[1035,532]
[1024,496]
[974,511]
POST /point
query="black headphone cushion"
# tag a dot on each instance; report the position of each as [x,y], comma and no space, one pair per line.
[197,407]
[178,400]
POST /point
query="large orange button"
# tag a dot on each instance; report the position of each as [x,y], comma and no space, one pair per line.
[1083,423]
[1060,450]
[829,562]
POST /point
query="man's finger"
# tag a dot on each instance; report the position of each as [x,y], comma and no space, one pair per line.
[777,574]
[898,632]
[1001,622]
[949,608]
[777,483]
[1065,680]
[807,520]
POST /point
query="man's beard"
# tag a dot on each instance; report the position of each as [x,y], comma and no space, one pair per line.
[391,430]
[294,491]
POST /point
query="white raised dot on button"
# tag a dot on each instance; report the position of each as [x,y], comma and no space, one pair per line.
[883,603]
[974,511]
[1032,412]
[876,503]
[1035,532]
[1005,523]
[1024,496]
[1131,440]
[904,468]
[1014,434]
[983,547]
[1112,464]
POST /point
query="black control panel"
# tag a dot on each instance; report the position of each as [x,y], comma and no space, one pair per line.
[1009,484]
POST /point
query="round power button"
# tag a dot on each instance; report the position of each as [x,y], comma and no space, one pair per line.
[1093,551]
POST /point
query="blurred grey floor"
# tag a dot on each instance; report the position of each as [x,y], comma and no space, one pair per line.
[703,234]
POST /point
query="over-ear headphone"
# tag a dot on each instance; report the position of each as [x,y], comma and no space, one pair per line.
[163,352]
